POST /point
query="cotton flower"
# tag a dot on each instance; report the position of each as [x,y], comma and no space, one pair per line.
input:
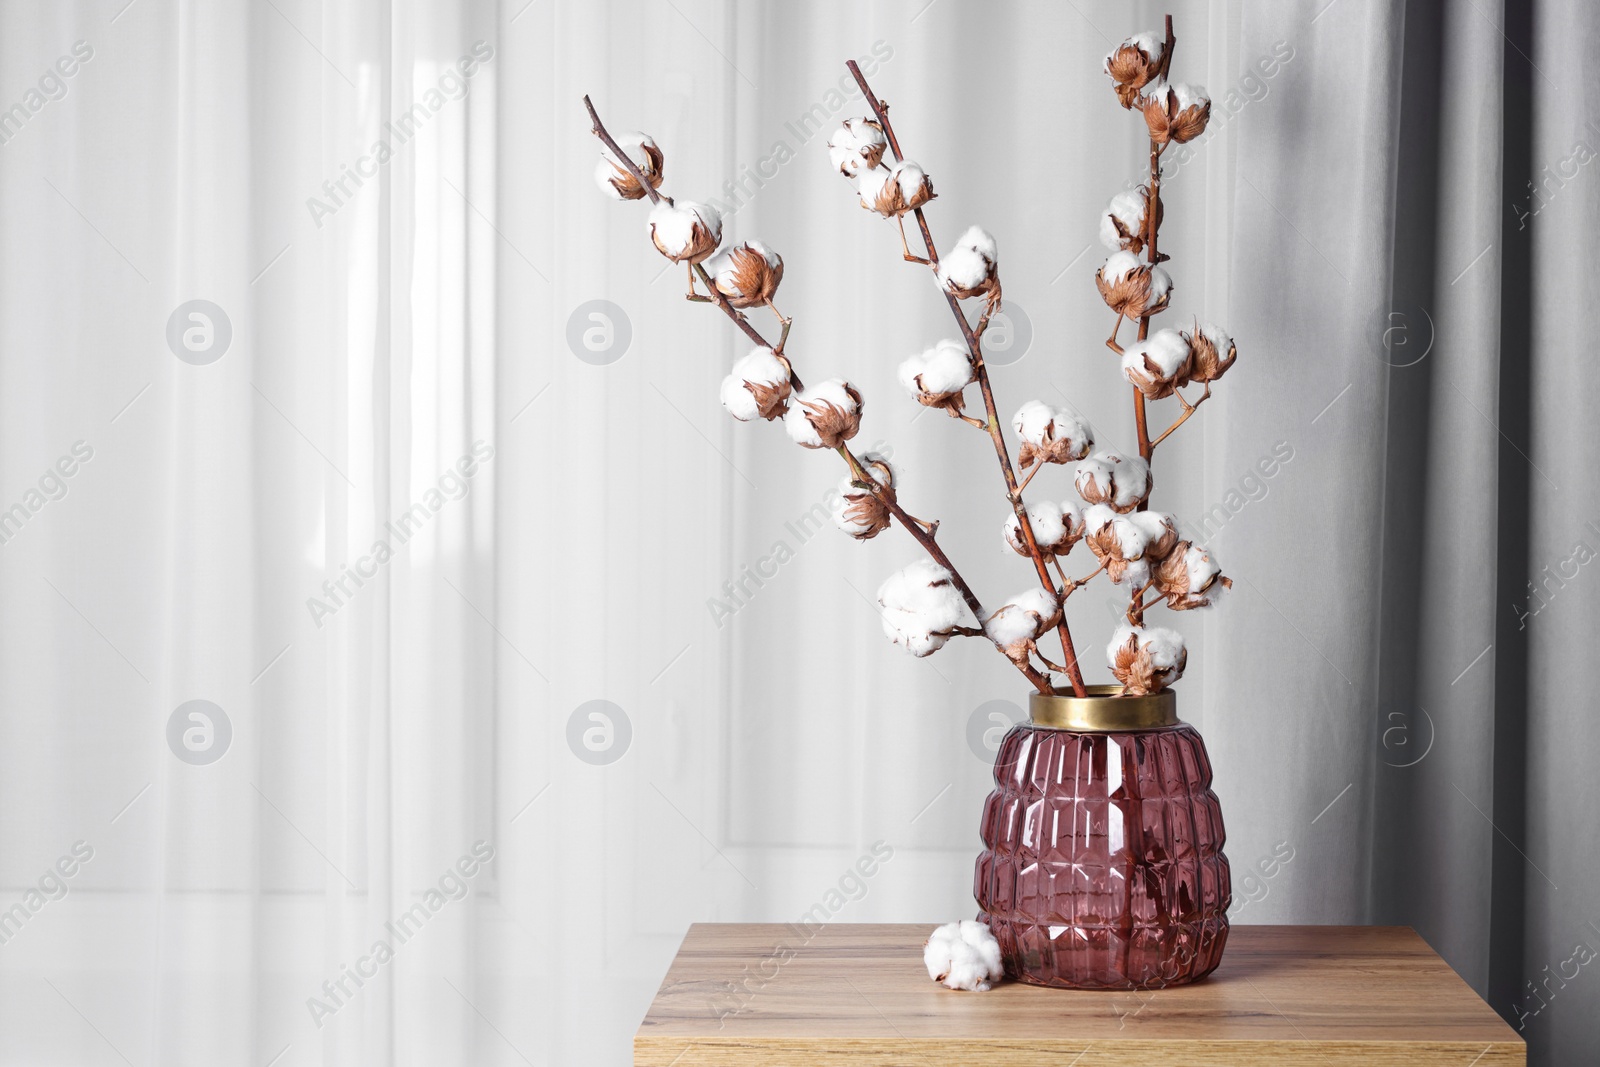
[937,376]
[758,387]
[1021,621]
[963,955]
[614,179]
[921,607]
[1119,543]
[1146,659]
[1133,63]
[1175,112]
[1121,482]
[857,146]
[1160,532]
[1189,578]
[1056,528]
[1159,364]
[895,190]
[862,513]
[1214,353]
[1050,435]
[824,416]
[747,274]
[972,267]
[1133,288]
[685,231]
[1122,222]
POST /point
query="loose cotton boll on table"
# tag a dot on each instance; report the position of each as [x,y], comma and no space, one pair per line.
[963,955]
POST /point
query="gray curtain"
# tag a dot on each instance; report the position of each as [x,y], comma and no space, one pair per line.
[1404,693]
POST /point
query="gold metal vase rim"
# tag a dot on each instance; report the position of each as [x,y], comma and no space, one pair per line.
[1104,709]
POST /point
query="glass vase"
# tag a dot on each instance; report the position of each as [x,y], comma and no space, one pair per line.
[1102,865]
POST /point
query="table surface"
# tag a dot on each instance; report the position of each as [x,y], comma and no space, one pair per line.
[849,995]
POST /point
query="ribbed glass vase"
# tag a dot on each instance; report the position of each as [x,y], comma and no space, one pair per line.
[1102,865]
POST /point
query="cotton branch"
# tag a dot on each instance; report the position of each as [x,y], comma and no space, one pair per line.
[975,350]
[924,533]
[1147,445]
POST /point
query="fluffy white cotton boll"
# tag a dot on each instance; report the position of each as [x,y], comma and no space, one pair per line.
[937,373]
[748,273]
[1158,364]
[1190,96]
[1127,209]
[963,955]
[1166,646]
[1114,479]
[1166,349]
[1160,285]
[685,230]
[1160,532]
[1190,578]
[910,176]
[963,267]
[614,179]
[970,267]
[1133,483]
[1146,659]
[980,241]
[1119,265]
[921,606]
[1135,574]
[1202,569]
[855,146]
[1011,626]
[1152,44]
[1130,535]
[1033,421]
[1072,517]
[860,512]
[1177,113]
[870,184]
[758,386]
[893,191]
[1096,517]
[1120,542]
[606,177]
[1020,620]
[1050,435]
[825,415]
[1213,353]
[1050,529]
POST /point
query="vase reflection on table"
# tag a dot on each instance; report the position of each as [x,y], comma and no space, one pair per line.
[1102,865]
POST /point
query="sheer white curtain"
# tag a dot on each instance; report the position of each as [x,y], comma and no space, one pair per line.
[528,656]
[230,153]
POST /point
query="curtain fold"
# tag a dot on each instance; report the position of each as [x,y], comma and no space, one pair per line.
[401,645]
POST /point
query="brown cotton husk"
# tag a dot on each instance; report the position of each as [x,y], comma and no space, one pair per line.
[754,280]
[1130,297]
[1133,668]
[1207,364]
[653,168]
[1166,123]
[833,424]
[1131,69]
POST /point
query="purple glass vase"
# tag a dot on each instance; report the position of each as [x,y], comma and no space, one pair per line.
[1102,865]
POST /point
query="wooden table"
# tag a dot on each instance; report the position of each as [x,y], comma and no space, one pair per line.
[857,995]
